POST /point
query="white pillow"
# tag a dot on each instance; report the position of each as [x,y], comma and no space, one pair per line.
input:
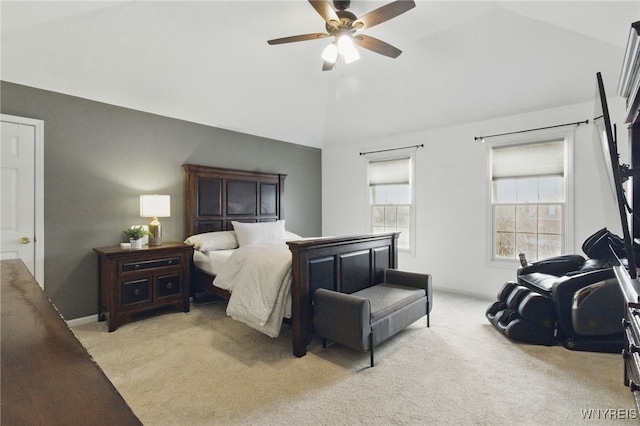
[210,241]
[249,233]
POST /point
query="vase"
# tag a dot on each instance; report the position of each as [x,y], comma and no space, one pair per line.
[136,244]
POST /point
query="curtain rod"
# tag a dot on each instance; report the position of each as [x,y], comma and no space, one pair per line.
[392,149]
[577,123]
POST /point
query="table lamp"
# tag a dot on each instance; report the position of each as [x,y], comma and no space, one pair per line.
[155,206]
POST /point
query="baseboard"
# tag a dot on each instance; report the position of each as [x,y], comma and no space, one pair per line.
[81,321]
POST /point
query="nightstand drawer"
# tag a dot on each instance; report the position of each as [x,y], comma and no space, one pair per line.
[149,264]
[169,285]
[136,291]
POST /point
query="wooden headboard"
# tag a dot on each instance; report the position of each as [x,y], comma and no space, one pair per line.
[216,196]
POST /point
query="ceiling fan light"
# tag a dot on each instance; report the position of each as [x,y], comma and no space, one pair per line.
[351,55]
[330,53]
[347,49]
[345,44]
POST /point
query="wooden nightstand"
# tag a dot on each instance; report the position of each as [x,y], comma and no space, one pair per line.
[138,280]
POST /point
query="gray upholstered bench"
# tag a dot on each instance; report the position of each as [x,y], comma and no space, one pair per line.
[368,317]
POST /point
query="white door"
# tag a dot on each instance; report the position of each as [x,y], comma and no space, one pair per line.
[18,195]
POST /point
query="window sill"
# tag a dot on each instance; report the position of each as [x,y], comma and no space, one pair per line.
[504,263]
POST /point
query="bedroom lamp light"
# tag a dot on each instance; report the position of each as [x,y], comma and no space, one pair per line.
[155,206]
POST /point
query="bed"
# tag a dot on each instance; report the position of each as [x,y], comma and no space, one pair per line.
[216,197]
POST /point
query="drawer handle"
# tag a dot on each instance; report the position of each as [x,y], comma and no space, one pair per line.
[169,285]
[137,265]
[136,292]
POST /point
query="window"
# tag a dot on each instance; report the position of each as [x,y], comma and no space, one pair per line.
[391,198]
[529,199]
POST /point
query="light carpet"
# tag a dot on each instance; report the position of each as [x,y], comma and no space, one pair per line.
[203,368]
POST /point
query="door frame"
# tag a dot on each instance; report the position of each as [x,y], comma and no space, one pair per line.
[38,190]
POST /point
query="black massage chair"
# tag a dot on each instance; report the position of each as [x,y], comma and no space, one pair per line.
[568,298]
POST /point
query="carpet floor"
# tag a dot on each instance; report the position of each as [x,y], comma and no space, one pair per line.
[203,368]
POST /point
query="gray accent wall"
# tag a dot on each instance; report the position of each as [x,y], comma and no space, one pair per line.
[99,158]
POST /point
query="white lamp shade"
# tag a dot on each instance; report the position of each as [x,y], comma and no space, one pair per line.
[155,206]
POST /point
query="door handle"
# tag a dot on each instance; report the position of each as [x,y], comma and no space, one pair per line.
[25,240]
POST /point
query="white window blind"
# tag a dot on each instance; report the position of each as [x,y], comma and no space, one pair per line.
[538,159]
[390,172]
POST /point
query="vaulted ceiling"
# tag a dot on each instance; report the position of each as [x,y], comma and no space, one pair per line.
[209,62]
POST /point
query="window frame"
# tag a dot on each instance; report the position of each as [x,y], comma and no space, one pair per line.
[412,209]
[568,220]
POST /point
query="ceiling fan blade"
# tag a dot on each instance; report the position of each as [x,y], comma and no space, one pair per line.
[328,66]
[377,46]
[302,37]
[383,14]
[325,10]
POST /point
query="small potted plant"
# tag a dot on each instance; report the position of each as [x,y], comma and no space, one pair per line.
[135,234]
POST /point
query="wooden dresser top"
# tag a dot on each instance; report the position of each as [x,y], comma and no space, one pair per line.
[47,376]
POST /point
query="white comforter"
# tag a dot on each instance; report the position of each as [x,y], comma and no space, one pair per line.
[259,279]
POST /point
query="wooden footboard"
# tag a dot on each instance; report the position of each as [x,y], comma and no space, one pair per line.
[345,264]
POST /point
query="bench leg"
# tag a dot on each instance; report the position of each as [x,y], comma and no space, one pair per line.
[371,347]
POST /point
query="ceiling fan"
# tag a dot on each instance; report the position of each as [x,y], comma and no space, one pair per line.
[343,26]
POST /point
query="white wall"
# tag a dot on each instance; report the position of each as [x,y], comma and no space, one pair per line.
[452,194]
